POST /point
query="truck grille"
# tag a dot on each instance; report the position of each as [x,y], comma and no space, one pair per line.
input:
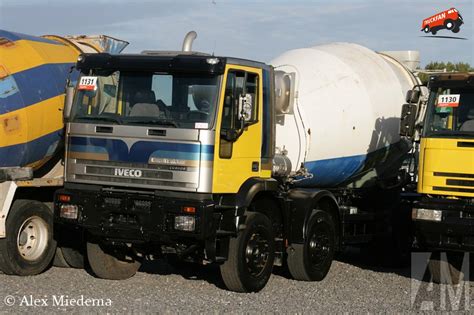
[465,185]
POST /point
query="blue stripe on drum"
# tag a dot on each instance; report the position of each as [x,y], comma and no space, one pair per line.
[30,152]
[33,85]
[331,172]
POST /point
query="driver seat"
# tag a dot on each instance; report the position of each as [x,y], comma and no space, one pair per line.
[144,104]
[468,125]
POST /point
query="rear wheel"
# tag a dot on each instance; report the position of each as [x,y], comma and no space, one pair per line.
[251,254]
[106,265]
[426,29]
[29,246]
[311,260]
[456,29]
[59,260]
[71,256]
[446,269]
[434,32]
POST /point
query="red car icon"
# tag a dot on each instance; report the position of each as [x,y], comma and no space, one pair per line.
[449,19]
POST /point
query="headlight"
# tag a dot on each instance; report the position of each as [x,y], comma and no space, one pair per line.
[69,211]
[427,214]
[184,223]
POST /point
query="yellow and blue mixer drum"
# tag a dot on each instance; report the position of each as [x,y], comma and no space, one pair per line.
[33,73]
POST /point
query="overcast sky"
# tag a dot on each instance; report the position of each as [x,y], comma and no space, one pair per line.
[250,29]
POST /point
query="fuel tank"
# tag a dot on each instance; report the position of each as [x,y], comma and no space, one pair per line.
[33,73]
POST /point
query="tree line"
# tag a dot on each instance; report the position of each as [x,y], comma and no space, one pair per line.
[444,67]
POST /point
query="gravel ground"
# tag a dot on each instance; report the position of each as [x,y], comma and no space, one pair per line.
[352,285]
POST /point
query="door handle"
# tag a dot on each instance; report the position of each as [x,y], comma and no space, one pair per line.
[255,166]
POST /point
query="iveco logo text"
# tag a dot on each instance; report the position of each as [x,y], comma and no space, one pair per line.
[127,172]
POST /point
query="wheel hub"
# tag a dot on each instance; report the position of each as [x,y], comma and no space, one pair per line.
[319,246]
[256,254]
[32,239]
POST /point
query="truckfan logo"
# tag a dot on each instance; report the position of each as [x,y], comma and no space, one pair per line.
[450,19]
[127,172]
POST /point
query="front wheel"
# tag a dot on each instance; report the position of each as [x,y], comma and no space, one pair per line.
[311,260]
[29,247]
[251,254]
[449,24]
[105,265]
[426,29]
[456,29]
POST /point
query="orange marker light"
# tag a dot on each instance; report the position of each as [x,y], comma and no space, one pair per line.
[64,198]
[189,209]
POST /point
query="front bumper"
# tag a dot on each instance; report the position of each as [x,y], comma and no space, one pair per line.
[140,216]
[454,231]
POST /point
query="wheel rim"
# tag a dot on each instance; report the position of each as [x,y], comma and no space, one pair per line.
[257,254]
[32,239]
[449,25]
[319,245]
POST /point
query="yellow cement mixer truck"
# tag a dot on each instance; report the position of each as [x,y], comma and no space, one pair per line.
[33,72]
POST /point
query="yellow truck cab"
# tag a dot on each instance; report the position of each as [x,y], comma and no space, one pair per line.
[443,218]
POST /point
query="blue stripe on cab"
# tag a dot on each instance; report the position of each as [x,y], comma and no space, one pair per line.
[35,85]
[19,36]
[141,151]
[30,152]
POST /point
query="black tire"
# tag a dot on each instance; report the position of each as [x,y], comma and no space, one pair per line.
[449,24]
[426,29]
[251,254]
[59,260]
[311,261]
[107,266]
[447,269]
[456,29]
[434,32]
[73,257]
[29,246]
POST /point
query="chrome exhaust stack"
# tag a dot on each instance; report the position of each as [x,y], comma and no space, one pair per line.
[188,41]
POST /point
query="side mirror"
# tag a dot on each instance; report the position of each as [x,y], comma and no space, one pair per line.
[245,107]
[407,120]
[413,96]
[68,99]
[230,134]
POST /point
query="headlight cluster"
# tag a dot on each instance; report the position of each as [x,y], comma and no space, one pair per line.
[185,223]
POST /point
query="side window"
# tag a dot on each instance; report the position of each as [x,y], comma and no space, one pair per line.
[240,106]
[252,89]
[234,85]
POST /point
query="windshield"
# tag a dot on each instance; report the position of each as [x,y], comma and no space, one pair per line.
[154,99]
[450,112]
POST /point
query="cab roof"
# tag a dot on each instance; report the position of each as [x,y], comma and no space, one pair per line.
[162,61]
[452,79]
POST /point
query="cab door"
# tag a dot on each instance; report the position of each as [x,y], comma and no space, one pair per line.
[239,129]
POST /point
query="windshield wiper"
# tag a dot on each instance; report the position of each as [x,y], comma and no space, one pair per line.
[100,118]
[162,122]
